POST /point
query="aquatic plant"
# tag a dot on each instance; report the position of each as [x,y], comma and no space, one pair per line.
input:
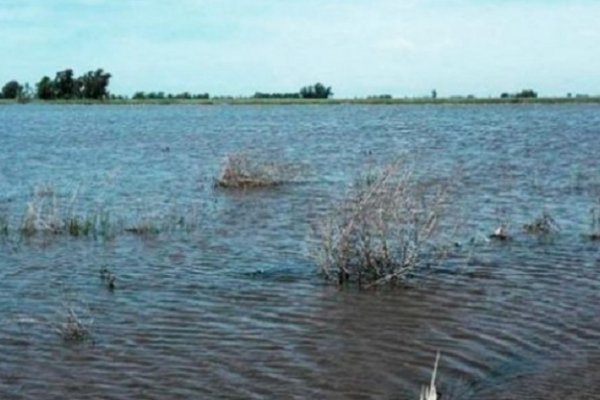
[500,233]
[384,229]
[4,225]
[74,329]
[246,170]
[78,226]
[108,278]
[144,227]
[430,392]
[542,225]
[595,221]
[42,214]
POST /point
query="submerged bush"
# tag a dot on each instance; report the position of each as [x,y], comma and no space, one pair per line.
[246,170]
[383,230]
[74,329]
[542,225]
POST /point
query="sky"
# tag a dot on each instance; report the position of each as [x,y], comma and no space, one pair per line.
[359,47]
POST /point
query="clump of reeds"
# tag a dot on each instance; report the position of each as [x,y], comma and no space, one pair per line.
[245,170]
[74,329]
[42,214]
[383,230]
[144,227]
[542,225]
[45,214]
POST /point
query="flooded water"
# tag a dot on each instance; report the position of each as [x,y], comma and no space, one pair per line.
[234,307]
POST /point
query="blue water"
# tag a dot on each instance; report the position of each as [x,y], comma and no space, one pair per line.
[233,307]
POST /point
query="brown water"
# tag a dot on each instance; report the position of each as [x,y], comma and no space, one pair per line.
[235,308]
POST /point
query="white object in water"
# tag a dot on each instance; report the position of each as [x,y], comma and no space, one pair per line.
[430,393]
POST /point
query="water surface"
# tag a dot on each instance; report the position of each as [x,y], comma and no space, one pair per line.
[234,308]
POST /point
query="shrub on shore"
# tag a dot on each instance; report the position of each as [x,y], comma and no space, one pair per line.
[382,230]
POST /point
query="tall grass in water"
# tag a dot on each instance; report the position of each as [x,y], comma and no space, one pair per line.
[383,229]
[45,214]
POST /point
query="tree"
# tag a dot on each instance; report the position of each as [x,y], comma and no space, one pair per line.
[65,86]
[526,94]
[45,89]
[316,91]
[93,84]
[12,90]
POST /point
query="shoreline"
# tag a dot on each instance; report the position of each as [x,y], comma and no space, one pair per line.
[292,101]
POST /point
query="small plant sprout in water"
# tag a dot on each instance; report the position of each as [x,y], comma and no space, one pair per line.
[542,225]
[108,278]
[430,392]
[595,222]
[75,329]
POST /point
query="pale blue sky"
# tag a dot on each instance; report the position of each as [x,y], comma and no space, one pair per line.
[360,47]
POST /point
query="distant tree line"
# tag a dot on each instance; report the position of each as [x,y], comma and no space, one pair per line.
[162,95]
[523,94]
[380,97]
[64,86]
[316,91]
[260,95]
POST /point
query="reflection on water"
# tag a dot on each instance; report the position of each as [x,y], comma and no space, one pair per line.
[234,309]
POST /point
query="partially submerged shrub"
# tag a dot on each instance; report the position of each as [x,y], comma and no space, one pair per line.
[384,229]
[247,170]
[75,329]
[542,225]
